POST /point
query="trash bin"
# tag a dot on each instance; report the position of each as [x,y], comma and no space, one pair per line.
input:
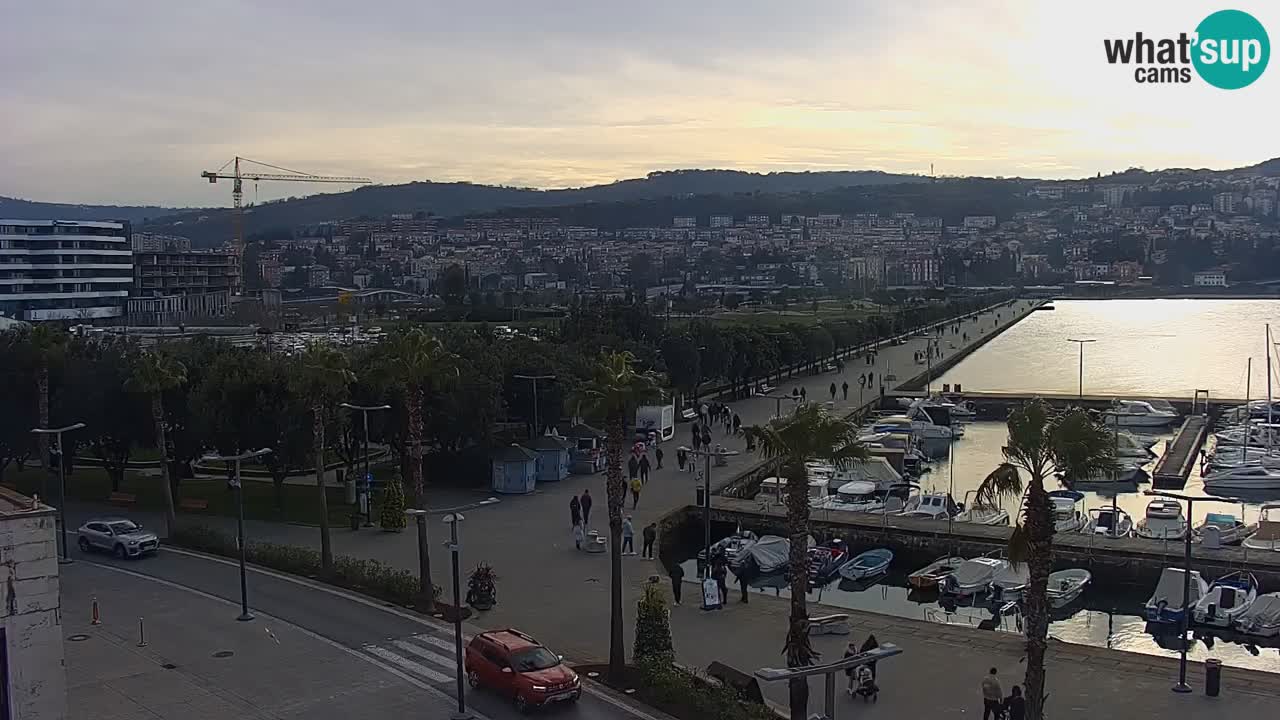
[699,496]
[1212,677]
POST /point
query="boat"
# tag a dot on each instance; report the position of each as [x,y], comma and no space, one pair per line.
[1130,446]
[983,515]
[1256,410]
[819,488]
[1229,457]
[1228,597]
[869,564]
[766,556]
[1258,434]
[1126,471]
[731,546]
[1138,413]
[1267,536]
[934,506]
[1109,522]
[973,576]
[1009,582]
[1163,521]
[1247,477]
[1166,603]
[928,577]
[826,560]
[1262,618]
[1067,515]
[855,496]
[873,469]
[1231,530]
[1067,585]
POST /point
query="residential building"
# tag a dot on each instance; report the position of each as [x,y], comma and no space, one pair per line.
[684,222]
[1114,195]
[979,222]
[721,221]
[175,272]
[64,269]
[1210,278]
[1224,203]
[317,276]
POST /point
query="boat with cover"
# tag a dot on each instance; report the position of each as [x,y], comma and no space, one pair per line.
[730,546]
[1254,434]
[973,576]
[1231,530]
[1125,471]
[1109,522]
[1245,477]
[826,560]
[1067,513]
[1228,457]
[1067,585]
[928,577]
[1262,619]
[1267,536]
[869,564]
[1009,582]
[1163,521]
[1228,597]
[1138,413]
[1165,604]
[855,496]
[1132,447]
[766,556]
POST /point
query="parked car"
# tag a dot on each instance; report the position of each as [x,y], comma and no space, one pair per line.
[121,536]
[520,668]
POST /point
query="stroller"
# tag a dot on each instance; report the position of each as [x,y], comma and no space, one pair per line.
[866,684]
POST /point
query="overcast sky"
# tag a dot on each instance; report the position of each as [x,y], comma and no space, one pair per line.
[126,102]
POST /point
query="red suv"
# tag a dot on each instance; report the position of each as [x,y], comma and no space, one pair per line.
[519,667]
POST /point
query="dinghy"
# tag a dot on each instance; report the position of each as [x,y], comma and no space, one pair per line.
[1067,585]
[869,564]
[1227,599]
[928,577]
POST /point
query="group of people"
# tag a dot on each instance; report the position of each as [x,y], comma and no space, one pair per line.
[580,517]
[717,413]
[995,706]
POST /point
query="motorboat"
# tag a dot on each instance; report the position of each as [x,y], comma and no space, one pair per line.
[826,560]
[1067,585]
[936,413]
[983,515]
[1228,597]
[957,409]
[1067,513]
[928,577]
[819,488]
[766,556]
[1229,457]
[1267,536]
[934,506]
[912,457]
[1125,471]
[855,496]
[1132,447]
[1231,530]
[1138,413]
[869,564]
[1262,618]
[730,546]
[1259,434]
[973,576]
[1009,582]
[1247,477]
[1163,521]
[873,469]
[1166,603]
[1109,522]
[1256,410]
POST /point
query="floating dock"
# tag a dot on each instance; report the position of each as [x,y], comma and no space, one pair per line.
[1181,453]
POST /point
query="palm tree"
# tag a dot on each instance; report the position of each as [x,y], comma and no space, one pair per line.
[323,378]
[420,362]
[615,389]
[48,344]
[809,433]
[153,374]
[1042,442]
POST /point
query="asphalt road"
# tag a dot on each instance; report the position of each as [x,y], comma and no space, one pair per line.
[386,636]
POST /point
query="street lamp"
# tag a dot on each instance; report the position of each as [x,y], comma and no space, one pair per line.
[719,452]
[62,483]
[829,671]
[454,546]
[368,476]
[245,615]
[537,429]
[777,402]
[1082,342]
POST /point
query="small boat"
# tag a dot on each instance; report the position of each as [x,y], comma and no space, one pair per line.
[731,546]
[1009,582]
[1231,530]
[1130,446]
[1067,585]
[1268,535]
[1256,434]
[1165,605]
[1245,477]
[1163,521]
[1262,619]
[869,564]
[766,556]
[854,496]
[1067,515]
[983,515]
[1138,413]
[826,560]
[973,576]
[935,506]
[1228,597]
[1109,522]
[928,577]
[1126,471]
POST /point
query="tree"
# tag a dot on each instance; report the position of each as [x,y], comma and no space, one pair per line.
[453,285]
[615,389]
[808,434]
[391,515]
[20,399]
[155,373]
[653,630]
[322,379]
[95,392]
[683,362]
[1042,442]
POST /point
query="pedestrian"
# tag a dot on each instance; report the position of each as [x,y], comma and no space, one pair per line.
[578,536]
[737,424]
[751,443]
[833,391]
[1015,706]
[992,696]
[636,485]
[845,387]
[862,379]
[742,582]
[870,375]
[628,537]
[697,439]
[706,438]
[720,573]
[795,394]
[870,644]
[650,535]
[644,469]
[702,412]
[586,507]
[804,395]
[676,573]
[850,651]
[575,511]
[681,456]
[657,454]
[633,467]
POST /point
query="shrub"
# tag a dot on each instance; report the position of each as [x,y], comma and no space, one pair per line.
[653,629]
[688,695]
[392,517]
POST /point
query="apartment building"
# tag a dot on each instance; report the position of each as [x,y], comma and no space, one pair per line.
[64,270]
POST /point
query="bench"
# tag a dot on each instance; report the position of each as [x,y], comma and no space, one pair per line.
[193,504]
[765,389]
[123,499]
[829,625]
[688,414]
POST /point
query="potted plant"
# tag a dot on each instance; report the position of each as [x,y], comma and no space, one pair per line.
[482,590]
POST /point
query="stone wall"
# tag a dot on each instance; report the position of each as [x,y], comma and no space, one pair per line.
[30,614]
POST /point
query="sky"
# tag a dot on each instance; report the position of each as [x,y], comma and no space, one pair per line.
[126,102]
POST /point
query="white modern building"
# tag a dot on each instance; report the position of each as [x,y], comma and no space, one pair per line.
[64,269]
[1210,278]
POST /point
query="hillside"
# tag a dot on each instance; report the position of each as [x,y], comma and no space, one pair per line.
[18,209]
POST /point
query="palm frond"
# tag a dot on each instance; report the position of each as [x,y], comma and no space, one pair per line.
[1019,548]
[1005,482]
[1079,445]
[616,387]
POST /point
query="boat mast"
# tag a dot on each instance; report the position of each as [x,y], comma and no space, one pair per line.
[1248,414]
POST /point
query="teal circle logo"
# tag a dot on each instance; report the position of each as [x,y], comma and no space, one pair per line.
[1232,49]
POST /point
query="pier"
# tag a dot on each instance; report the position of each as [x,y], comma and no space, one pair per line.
[996,405]
[1181,453]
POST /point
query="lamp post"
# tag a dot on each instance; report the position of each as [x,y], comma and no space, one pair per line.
[454,546]
[1082,342]
[368,477]
[236,483]
[62,483]
[537,429]
[706,497]
[777,402]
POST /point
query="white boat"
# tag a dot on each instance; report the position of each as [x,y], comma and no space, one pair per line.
[766,556]
[1138,413]
[1066,585]
[928,577]
[855,496]
[1163,521]
[1109,522]
[935,506]
[1254,434]
[1262,619]
[1127,471]
[1268,535]
[1009,582]
[1165,605]
[973,576]
[1229,457]
[923,429]
[1228,598]
[869,564]
[730,546]
[776,487]
[873,469]
[1248,477]
[983,515]
[1231,530]
[1067,515]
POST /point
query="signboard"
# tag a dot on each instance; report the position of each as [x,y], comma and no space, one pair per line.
[710,594]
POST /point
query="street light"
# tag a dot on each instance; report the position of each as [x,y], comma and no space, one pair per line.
[62,483]
[1182,686]
[245,615]
[719,452]
[829,672]
[777,402]
[537,429]
[368,476]
[1082,343]
[454,546]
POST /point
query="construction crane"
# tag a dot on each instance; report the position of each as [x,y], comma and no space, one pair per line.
[238,175]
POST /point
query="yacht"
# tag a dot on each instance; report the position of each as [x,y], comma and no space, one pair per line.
[1108,522]
[1267,536]
[1067,515]
[1138,413]
[983,515]
[1256,410]
[1247,477]
[935,506]
[1231,530]
[855,496]
[972,576]
[1166,603]
[1229,457]
[1228,598]
[1163,521]
[912,458]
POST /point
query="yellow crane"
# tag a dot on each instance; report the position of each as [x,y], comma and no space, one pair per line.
[239,174]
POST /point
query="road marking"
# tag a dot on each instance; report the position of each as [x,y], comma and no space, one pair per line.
[448,662]
[438,642]
[407,664]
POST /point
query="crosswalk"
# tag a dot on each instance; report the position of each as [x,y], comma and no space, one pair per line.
[426,656]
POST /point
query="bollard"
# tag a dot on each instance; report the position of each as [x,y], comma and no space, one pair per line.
[1212,677]
[95,619]
[142,635]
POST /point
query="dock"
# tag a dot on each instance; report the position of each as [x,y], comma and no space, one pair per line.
[1181,453]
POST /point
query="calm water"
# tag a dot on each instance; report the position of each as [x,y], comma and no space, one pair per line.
[1144,347]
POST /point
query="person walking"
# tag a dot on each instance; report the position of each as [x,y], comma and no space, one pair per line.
[585,502]
[636,485]
[1015,706]
[650,536]
[628,537]
[706,438]
[742,583]
[575,511]
[578,536]
[870,378]
[676,573]
[737,424]
[697,439]
[644,469]
[795,394]
[657,455]
[720,573]
[702,412]
[833,391]
[681,456]
[870,644]
[845,387]
[851,650]
[633,468]
[992,696]
[804,395]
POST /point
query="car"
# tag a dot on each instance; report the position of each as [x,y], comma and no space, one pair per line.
[521,668]
[121,536]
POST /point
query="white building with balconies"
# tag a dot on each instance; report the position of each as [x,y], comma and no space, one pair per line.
[64,269]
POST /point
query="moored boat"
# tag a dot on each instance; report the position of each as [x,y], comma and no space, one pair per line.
[1262,619]
[973,576]
[1267,536]
[983,515]
[1067,515]
[1230,529]
[1228,598]
[928,577]
[1166,602]
[1067,585]
[1245,477]
[869,564]
[1163,521]
[826,560]
[731,547]
[1009,582]
[1138,413]
[1109,522]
